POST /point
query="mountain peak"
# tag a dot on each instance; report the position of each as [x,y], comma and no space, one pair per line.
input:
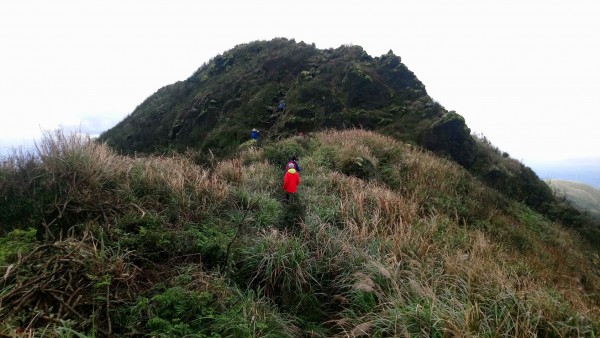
[217,107]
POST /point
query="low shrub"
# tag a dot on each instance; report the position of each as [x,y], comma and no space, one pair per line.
[278,154]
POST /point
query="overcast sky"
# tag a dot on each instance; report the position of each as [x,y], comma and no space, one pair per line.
[526,74]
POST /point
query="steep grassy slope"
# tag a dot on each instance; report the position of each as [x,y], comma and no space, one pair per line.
[216,108]
[383,239]
[583,196]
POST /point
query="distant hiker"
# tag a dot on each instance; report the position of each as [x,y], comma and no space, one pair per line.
[293,160]
[255,134]
[281,106]
[291,181]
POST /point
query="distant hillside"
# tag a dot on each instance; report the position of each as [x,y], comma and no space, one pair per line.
[215,109]
[585,170]
[582,196]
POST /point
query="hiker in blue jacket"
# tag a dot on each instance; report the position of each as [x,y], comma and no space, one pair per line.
[255,134]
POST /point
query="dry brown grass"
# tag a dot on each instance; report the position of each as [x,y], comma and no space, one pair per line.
[193,189]
[430,177]
[371,210]
[359,137]
[232,171]
[252,154]
[70,276]
[263,177]
[349,144]
[440,253]
[89,178]
[439,250]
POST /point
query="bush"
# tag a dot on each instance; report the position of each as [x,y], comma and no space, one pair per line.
[211,309]
[280,153]
[278,263]
[358,167]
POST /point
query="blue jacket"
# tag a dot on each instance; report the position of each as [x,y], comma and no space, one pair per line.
[255,135]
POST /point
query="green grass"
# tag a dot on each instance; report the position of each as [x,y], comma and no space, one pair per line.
[16,243]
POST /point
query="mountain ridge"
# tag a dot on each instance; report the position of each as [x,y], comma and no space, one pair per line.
[175,223]
[383,239]
[214,110]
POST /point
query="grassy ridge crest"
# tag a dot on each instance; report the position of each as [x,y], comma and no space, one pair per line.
[383,239]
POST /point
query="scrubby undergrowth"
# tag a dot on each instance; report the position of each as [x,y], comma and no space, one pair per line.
[383,239]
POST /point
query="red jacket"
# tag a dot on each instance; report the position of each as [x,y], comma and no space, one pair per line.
[291,181]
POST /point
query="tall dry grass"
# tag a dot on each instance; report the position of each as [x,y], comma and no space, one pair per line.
[75,178]
[431,240]
[371,210]
[417,247]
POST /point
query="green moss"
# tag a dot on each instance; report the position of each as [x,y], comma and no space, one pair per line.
[16,242]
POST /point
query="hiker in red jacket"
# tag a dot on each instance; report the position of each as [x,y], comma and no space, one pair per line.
[290,181]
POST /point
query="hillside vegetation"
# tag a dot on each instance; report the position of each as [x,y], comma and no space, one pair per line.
[216,108]
[384,239]
[583,196]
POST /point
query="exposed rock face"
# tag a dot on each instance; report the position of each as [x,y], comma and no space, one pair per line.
[239,90]
[450,135]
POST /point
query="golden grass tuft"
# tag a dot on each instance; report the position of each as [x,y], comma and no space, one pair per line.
[348,145]
[252,154]
[232,171]
[90,178]
[193,189]
[371,210]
